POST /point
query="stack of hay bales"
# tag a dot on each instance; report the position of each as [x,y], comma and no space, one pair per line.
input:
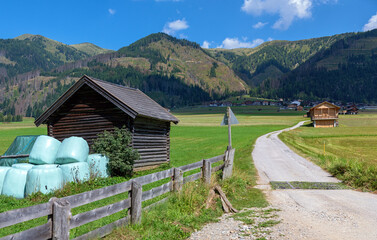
[51,165]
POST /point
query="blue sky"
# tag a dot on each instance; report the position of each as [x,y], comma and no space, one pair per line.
[113,24]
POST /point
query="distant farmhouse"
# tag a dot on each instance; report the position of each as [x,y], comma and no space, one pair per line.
[91,106]
[350,109]
[324,115]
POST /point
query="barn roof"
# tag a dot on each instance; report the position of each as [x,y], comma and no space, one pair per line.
[132,101]
[323,103]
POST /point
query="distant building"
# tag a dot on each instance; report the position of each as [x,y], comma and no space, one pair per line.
[299,108]
[324,115]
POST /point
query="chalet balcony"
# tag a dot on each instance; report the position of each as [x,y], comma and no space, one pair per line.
[324,116]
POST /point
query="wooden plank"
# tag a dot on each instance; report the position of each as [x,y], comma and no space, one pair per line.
[105,230]
[95,214]
[177,180]
[217,158]
[61,216]
[24,214]
[191,166]
[154,177]
[151,150]
[41,232]
[136,199]
[229,158]
[206,170]
[217,168]
[192,177]
[157,191]
[98,194]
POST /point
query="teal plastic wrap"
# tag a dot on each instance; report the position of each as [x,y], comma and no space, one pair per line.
[98,165]
[21,145]
[73,149]
[75,172]
[3,172]
[24,166]
[44,150]
[14,183]
[44,178]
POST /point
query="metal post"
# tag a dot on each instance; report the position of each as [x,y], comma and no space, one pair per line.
[229,130]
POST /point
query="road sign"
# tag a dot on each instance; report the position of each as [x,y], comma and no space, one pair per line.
[233,119]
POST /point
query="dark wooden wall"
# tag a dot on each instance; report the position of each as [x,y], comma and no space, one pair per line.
[87,113]
[152,139]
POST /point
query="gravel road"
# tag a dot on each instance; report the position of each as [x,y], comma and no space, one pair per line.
[304,214]
[311,214]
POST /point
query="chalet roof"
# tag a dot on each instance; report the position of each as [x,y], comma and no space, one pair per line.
[323,103]
[132,101]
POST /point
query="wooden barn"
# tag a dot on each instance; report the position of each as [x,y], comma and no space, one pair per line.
[91,106]
[324,115]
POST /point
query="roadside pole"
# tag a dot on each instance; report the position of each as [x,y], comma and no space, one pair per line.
[229,119]
[229,129]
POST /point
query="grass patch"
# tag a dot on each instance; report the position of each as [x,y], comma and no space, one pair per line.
[348,152]
[183,212]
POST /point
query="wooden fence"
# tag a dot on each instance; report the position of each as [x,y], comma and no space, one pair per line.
[58,210]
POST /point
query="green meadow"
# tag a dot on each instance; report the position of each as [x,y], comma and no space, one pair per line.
[348,151]
[197,136]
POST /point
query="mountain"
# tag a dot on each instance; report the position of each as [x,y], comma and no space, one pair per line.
[29,54]
[346,71]
[90,49]
[174,72]
[35,71]
[272,59]
[184,60]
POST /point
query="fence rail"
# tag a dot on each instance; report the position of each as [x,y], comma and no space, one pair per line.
[58,210]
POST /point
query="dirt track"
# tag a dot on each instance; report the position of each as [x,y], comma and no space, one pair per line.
[311,214]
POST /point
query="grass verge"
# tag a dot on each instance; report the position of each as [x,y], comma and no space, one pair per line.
[345,152]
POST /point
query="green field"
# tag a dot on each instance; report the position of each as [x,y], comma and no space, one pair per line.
[197,136]
[348,151]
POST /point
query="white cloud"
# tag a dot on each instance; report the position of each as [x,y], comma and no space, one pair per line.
[206,44]
[270,39]
[372,23]
[112,11]
[260,25]
[288,10]
[172,27]
[230,43]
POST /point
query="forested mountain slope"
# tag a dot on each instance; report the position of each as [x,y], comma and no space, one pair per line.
[345,71]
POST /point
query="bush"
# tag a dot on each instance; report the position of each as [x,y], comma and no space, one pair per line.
[116,145]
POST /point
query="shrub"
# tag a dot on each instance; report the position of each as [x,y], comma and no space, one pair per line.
[116,145]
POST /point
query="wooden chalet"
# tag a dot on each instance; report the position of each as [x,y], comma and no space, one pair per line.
[324,115]
[91,106]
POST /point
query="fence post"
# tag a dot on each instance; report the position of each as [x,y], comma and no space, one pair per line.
[228,163]
[206,171]
[61,217]
[136,194]
[177,180]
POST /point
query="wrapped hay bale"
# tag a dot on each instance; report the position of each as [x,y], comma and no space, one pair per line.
[73,149]
[24,166]
[44,150]
[3,172]
[98,165]
[75,172]
[44,178]
[14,182]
